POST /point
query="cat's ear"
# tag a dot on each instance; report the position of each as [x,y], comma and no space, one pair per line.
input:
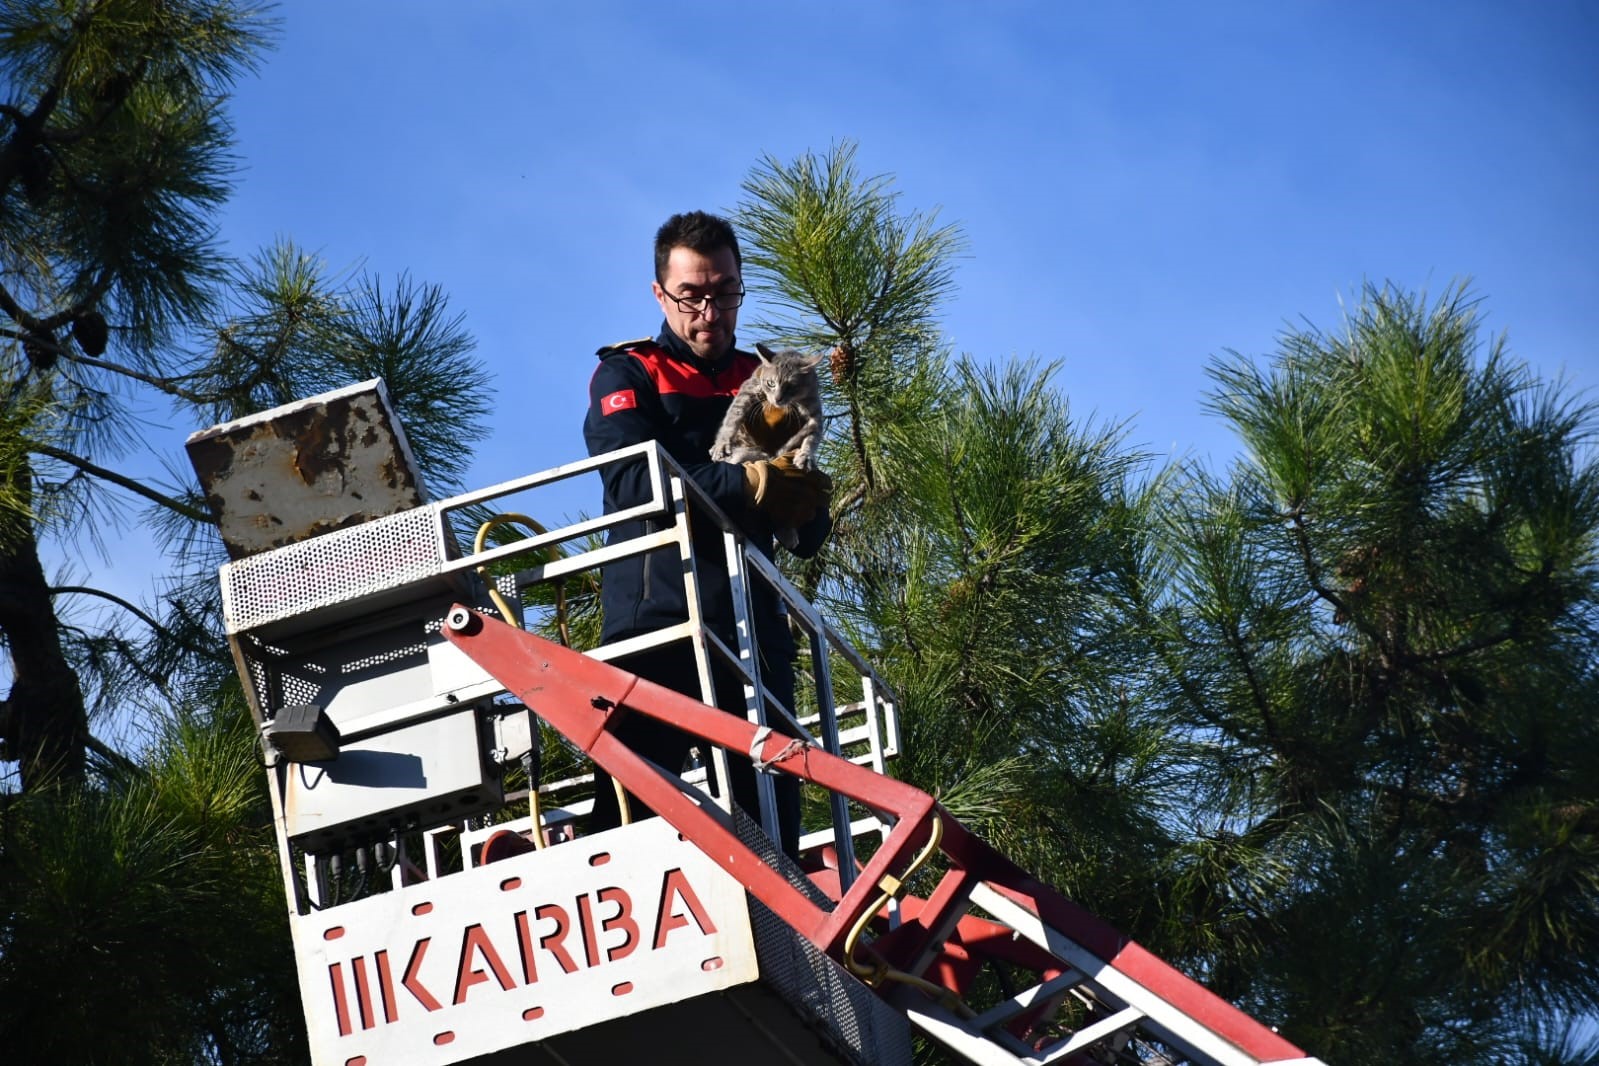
[766,354]
[813,362]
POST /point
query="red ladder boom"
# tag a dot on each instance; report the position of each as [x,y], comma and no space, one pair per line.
[1097,996]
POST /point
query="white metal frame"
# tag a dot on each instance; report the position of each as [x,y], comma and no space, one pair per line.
[871,738]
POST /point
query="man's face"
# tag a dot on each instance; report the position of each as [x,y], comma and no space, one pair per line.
[691,276]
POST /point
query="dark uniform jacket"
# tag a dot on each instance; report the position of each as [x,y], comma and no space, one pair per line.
[659,390]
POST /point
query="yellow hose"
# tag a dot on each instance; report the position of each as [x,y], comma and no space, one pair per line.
[566,641]
[891,888]
[494,593]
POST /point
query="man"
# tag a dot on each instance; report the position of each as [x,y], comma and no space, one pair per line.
[676,389]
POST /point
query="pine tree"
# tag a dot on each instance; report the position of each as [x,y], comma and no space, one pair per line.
[113,294]
[143,919]
[141,902]
[114,157]
[1382,627]
[1318,729]
[852,275]
[989,546]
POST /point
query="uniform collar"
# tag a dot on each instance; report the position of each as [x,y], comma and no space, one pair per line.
[679,349]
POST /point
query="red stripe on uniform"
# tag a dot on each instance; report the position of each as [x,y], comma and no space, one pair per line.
[675,376]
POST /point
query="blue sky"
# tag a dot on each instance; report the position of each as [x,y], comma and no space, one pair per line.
[1141,186]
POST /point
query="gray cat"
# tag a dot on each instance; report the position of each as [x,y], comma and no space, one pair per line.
[777,410]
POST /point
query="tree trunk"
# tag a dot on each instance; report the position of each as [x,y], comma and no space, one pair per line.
[42,721]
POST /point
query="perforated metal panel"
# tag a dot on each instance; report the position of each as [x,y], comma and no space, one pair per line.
[352,678]
[858,1025]
[347,566]
[275,687]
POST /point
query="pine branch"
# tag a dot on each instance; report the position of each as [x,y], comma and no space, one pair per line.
[122,480]
[153,623]
[30,127]
[1257,693]
[858,440]
[1313,574]
[15,311]
[111,755]
[167,385]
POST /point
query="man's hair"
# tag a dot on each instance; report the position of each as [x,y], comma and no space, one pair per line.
[697,231]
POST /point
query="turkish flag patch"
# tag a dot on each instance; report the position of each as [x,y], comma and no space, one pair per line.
[619,401]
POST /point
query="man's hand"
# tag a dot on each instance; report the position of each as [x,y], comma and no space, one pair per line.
[784,493]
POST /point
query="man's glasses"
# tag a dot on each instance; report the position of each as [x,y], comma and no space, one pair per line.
[693,305]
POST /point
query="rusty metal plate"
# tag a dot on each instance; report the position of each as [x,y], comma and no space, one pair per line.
[310,467]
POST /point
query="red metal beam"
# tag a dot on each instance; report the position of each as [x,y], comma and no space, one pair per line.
[584,698]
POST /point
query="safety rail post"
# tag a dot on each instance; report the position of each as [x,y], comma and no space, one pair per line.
[583,697]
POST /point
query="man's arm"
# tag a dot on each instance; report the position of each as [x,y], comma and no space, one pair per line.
[625,409]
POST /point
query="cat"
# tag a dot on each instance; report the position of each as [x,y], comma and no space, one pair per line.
[777,410]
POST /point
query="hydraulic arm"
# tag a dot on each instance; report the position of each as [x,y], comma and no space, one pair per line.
[1098,996]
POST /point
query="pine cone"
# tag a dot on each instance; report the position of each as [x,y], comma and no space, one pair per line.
[41,352]
[89,330]
[842,362]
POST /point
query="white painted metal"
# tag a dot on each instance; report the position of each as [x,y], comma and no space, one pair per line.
[421,774]
[1025,1000]
[1113,988]
[959,1036]
[521,950]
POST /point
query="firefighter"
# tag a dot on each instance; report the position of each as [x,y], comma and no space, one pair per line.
[675,389]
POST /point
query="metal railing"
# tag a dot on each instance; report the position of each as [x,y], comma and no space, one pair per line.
[296,613]
[865,730]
